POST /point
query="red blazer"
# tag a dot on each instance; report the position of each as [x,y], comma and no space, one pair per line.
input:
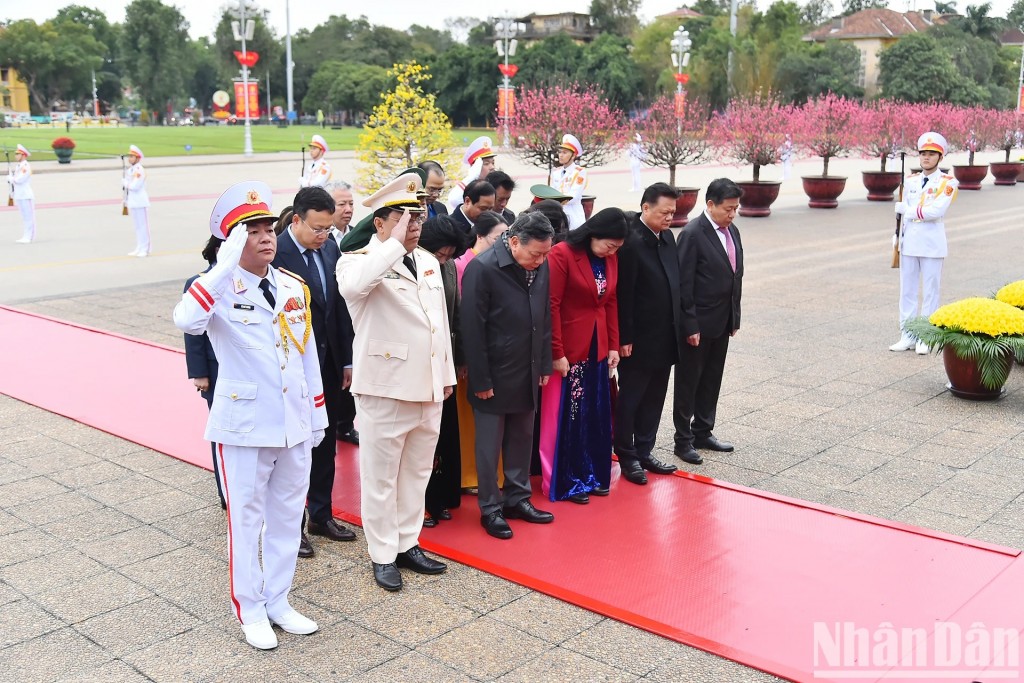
[575,307]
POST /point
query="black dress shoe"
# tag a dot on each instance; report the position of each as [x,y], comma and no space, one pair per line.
[351,436]
[496,525]
[689,455]
[525,511]
[710,443]
[632,472]
[332,530]
[429,522]
[305,547]
[387,576]
[600,491]
[579,498]
[414,559]
[652,464]
[445,514]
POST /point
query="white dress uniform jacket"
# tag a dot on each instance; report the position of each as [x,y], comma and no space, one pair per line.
[318,175]
[924,233]
[256,402]
[402,347]
[571,181]
[135,184]
[21,178]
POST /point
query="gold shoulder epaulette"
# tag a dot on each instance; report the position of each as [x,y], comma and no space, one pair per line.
[288,272]
[364,250]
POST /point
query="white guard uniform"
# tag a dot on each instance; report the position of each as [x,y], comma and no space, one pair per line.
[137,201]
[472,158]
[636,162]
[268,402]
[20,179]
[318,174]
[571,181]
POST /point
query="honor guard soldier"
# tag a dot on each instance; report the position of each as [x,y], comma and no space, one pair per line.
[137,201]
[922,240]
[402,370]
[479,157]
[571,179]
[319,172]
[20,180]
[268,406]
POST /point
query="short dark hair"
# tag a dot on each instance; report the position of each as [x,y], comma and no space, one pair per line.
[531,226]
[485,224]
[477,189]
[284,220]
[555,214]
[721,189]
[606,224]
[656,191]
[210,250]
[502,180]
[312,199]
[440,232]
[431,166]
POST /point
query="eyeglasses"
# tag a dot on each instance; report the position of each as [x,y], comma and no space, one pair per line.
[434,191]
[315,231]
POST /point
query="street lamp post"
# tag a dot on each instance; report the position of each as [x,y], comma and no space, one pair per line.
[244,30]
[680,58]
[505,31]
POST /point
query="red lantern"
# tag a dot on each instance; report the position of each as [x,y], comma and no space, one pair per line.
[509,70]
[249,58]
[683,78]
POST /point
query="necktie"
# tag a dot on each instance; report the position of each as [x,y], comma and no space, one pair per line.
[729,247]
[924,181]
[265,286]
[314,272]
[410,264]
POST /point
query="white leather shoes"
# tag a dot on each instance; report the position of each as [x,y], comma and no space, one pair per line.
[922,349]
[260,635]
[23,240]
[904,344]
[293,622]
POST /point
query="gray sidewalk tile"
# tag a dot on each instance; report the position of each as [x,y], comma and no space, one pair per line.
[554,665]
[55,656]
[137,626]
[546,618]
[485,648]
[23,620]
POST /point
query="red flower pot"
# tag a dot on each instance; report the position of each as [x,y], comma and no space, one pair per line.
[881,185]
[965,378]
[758,197]
[685,202]
[970,177]
[823,190]
[1006,173]
[587,201]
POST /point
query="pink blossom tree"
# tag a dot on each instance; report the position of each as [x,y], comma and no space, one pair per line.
[881,130]
[828,127]
[542,116]
[753,130]
[971,129]
[1006,126]
[670,140]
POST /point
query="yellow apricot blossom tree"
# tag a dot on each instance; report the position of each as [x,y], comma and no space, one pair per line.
[407,127]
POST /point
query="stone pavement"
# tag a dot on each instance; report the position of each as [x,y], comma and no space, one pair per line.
[112,557]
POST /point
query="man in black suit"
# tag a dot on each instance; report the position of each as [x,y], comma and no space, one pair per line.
[432,187]
[504,186]
[477,198]
[306,250]
[344,207]
[649,314]
[710,286]
[506,340]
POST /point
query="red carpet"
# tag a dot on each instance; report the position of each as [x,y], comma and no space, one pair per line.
[795,589]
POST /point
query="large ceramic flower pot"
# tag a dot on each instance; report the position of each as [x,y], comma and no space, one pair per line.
[824,190]
[1006,173]
[685,202]
[881,185]
[970,177]
[758,197]
[1020,176]
[965,378]
[587,201]
[63,155]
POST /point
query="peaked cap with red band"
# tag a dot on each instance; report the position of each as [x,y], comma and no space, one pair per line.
[478,149]
[135,150]
[23,150]
[318,141]
[572,143]
[932,142]
[241,203]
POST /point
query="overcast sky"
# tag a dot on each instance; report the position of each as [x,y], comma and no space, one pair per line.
[203,15]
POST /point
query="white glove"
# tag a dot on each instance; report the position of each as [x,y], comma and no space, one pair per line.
[901,208]
[228,257]
[302,182]
[474,171]
[895,241]
[318,436]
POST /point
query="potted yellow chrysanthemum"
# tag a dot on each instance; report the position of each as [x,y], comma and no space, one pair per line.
[1013,294]
[979,339]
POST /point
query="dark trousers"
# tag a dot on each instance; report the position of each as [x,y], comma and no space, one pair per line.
[444,490]
[698,382]
[638,408]
[208,395]
[346,411]
[511,436]
[321,473]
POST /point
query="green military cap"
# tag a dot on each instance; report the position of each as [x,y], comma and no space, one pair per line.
[541,191]
[400,193]
[359,236]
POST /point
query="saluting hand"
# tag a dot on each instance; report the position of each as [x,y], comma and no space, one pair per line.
[230,252]
[402,227]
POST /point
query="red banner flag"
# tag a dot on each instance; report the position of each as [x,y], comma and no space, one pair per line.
[506,98]
[254,99]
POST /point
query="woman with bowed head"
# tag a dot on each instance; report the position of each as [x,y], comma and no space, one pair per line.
[485,232]
[576,417]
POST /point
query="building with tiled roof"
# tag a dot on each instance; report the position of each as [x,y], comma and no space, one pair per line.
[681,14]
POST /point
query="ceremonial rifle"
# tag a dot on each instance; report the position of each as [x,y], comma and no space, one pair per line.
[10,185]
[302,173]
[899,216]
[124,189]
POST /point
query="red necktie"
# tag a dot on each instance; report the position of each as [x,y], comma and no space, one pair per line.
[730,248]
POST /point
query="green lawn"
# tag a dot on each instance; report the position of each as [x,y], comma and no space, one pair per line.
[157,141]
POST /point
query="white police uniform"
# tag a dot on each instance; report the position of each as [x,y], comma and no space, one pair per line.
[267,410]
[20,180]
[637,154]
[571,180]
[137,201]
[318,173]
[473,158]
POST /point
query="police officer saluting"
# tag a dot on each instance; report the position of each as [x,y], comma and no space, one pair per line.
[268,407]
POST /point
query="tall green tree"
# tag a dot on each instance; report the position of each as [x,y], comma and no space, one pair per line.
[918,68]
[264,42]
[552,61]
[1016,14]
[157,58]
[108,75]
[854,6]
[815,12]
[979,22]
[466,80]
[607,64]
[816,70]
[207,73]
[617,17]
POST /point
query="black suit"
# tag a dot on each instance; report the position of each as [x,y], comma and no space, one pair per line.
[509,215]
[460,220]
[649,318]
[436,209]
[332,328]
[710,299]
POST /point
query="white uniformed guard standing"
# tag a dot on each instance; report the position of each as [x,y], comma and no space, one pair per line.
[319,172]
[637,154]
[137,201]
[402,369]
[571,179]
[20,179]
[922,241]
[268,408]
[479,158]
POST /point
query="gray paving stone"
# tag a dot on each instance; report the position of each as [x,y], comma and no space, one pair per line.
[470,648]
[8,594]
[92,524]
[937,521]
[200,654]
[546,618]
[39,512]
[695,666]
[415,619]
[25,545]
[161,506]
[91,596]
[131,546]
[955,501]
[554,665]
[28,489]
[476,590]
[22,620]
[114,671]
[1009,536]
[413,667]
[78,478]
[620,646]
[54,570]
[128,487]
[137,625]
[344,652]
[196,525]
[10,524]
[55,656]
